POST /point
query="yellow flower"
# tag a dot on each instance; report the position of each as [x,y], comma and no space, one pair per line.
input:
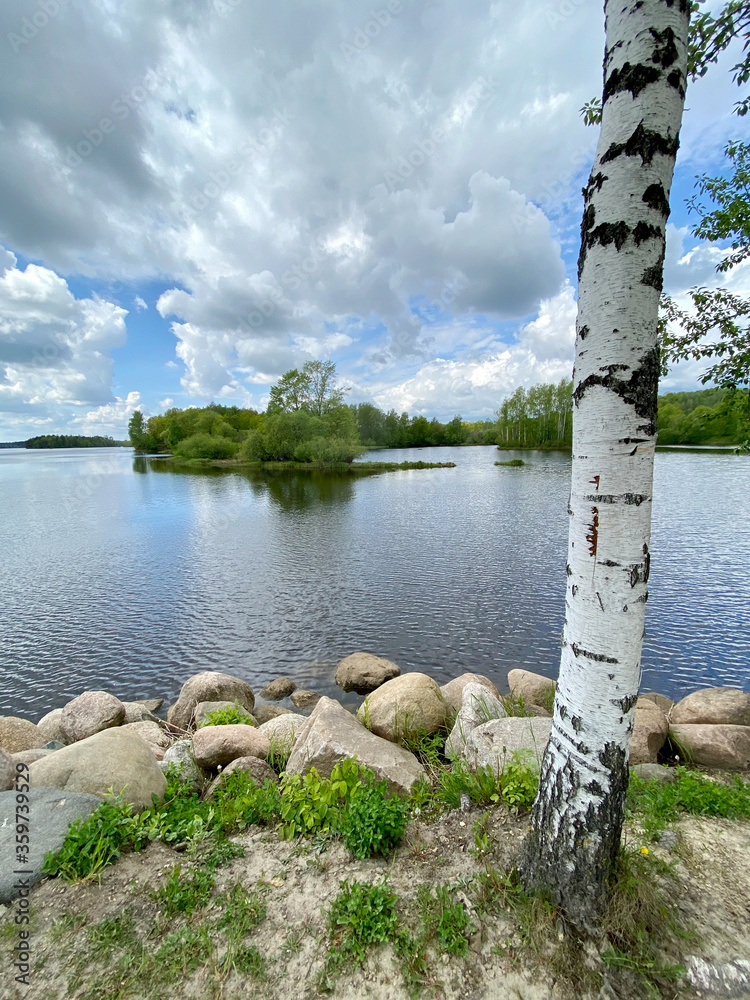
[644,850]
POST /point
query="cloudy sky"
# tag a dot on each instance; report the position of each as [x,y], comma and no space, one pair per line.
[197,195]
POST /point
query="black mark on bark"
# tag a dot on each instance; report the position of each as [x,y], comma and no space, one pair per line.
[639,391]
[654,276]
[629,499]
[592,536]
[655,197]
[583,332]
[632,78]
[596,657]
[645,231]
[645,143]
[665,50]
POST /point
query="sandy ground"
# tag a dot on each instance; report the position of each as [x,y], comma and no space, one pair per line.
[299,882]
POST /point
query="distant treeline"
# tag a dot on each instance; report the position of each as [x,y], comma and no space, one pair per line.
[73,441]
[710,416]
[331,431]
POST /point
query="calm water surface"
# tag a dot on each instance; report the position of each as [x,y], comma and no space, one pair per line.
[119,574]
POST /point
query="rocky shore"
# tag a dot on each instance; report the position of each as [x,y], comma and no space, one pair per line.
[97,745]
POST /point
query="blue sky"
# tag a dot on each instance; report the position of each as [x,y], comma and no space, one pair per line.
[196,197]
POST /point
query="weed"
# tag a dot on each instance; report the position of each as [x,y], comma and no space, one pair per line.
[113,932]
[242,911]
[655,803]
[362,914]
[482,786]
[278,756]
[312,804]
[185,893]
[182,952]
[482,842]
[446,919]
[514,463]
[428,748]
[211,851]
[374,823]
[93,843]
[239,803]
[244,959]
[519,781]
[515,706]
[68,922]
[228,716]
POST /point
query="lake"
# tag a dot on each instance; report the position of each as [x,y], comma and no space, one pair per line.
[119,574]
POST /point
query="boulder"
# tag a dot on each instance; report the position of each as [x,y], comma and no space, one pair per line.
[215,746]
[452,692]
[19,734]
[491,744]
[90,713]
[51,725]
[331,733]
[210,685]
[279,688]
[111,759]
[203,708]
[152,734]
[264,713]
[664,703]
[136,711]
[305,699]
[152,704]
[650,731]
[7,771]
[181,755]
[364,672]
[719,706]
[406,706]
[720,746]
[259,772]
[654,772]
[29,756]
[281,731]
[51,812]
[533,688]
[539,710]
[478,705]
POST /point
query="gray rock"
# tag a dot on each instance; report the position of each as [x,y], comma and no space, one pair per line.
[264,713]
[279,688]
[669,839]
[650,730]
[651,772]
[181,755]
[719,979]
[478,706]
[136,711]
[664,703]
[713,706]
[7,771]
[332,733]
[257,769]
[51,811]
[724,747]
[152,704]
[112,759]
[19,734]
[51,726]
[90,713]
[209,685]
[364,672]
[491,744]
[29,756]
[54,745]
[281,731]
[533,688]
[304,699]
[215,746]
[155,738]
[406,706]
[452,692]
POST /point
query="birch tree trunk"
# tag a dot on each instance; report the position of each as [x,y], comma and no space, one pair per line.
[578,813]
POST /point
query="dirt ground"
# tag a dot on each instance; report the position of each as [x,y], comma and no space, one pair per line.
[299,882]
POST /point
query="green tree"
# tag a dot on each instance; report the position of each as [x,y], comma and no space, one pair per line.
[137,431]
[290,393]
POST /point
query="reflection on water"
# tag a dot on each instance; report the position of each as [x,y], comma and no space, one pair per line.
[129,575]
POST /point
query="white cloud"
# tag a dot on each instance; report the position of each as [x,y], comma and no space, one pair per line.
[109,420]
[140,303]
[166,403]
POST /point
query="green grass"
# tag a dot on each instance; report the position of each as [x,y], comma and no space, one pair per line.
[227,716]
[445,919]
[514,463]
[185,892]
[361,915]
[656,803]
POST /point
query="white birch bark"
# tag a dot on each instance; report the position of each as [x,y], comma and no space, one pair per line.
[577,817]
